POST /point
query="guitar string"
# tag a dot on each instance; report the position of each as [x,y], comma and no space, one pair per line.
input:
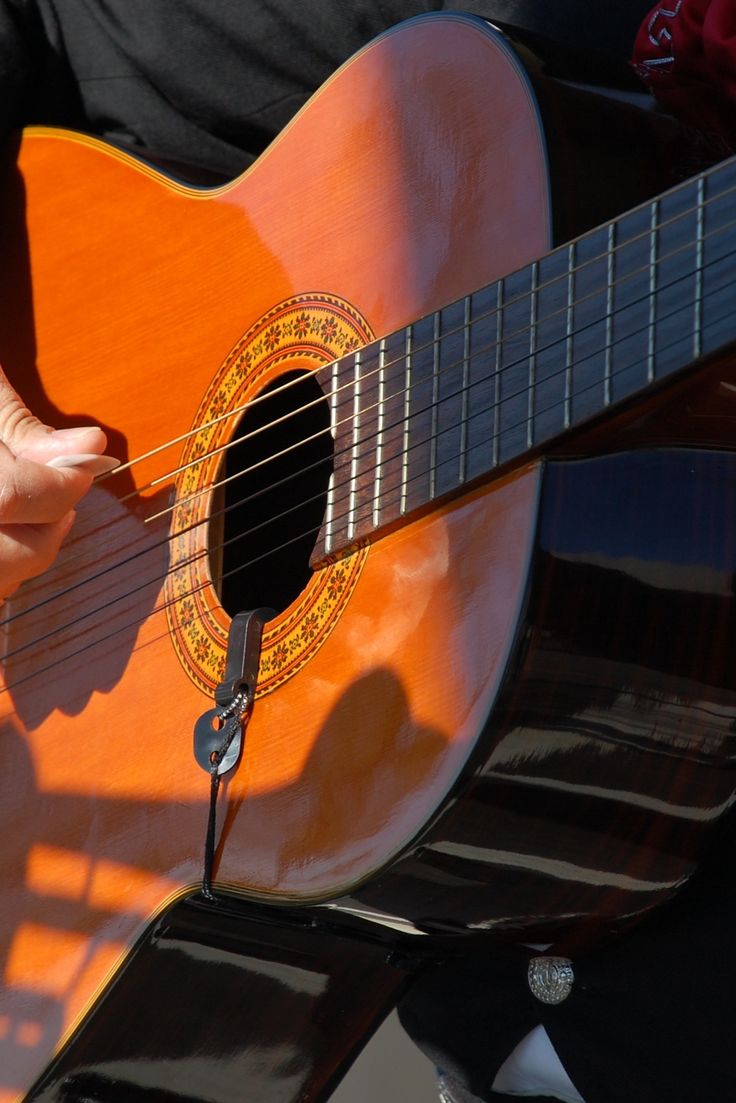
[643,237]
[160,608]
[199,588]
[204,585]
[522,333]
[482,352]
[507,398]
[387,365]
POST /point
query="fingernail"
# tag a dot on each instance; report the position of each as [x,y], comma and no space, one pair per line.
[67,522]
[70,435]
[95,465]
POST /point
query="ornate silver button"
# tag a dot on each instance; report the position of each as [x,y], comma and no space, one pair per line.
[550,978]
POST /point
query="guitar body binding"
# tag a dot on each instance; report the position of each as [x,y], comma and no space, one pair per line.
[444,689]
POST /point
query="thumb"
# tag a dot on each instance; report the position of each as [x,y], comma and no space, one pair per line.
[24,435]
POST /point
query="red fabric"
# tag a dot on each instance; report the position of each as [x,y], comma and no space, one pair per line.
[686,52]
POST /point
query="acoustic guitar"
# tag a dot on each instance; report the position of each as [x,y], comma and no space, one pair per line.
[417,384]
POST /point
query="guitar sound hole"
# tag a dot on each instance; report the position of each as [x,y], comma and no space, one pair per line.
[265,524]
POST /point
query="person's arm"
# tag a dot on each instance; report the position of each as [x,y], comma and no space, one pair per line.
[43,474]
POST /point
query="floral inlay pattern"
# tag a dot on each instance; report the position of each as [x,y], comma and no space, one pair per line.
[307,331]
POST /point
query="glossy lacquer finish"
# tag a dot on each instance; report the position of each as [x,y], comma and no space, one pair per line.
[128,295]
[610,750]
[417,175]
[229,1005]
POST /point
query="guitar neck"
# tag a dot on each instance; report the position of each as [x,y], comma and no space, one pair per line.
[497,374]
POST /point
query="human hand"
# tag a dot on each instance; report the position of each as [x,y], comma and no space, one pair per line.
[43,474]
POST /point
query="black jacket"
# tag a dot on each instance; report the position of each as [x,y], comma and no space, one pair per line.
[211,82]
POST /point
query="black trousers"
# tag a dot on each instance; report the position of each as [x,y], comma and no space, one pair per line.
[649,1018]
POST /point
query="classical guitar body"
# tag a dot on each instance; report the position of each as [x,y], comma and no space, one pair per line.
[495,694]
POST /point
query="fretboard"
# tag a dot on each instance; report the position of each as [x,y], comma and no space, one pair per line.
[482,382]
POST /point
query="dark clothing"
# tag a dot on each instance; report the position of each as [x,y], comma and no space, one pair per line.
[211,82]
[649,1018]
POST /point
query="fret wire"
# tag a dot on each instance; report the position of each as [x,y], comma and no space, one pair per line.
[697,337]
[653,242]
[498,369]
[463,466]
[380,418]
[499,319]
[534,279]
[196,589]
[355,451]
[514,427]
[405,446]
[705,237]
[712,173]
[517,425]
[249,563]
[435,403]
[499,313]
[332,398]
[699,258]
[622,370]
[636,237]
[159,608]
[668,256]
[610,310]
[702,238]
[499,309]
[584,298]
[569,335]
